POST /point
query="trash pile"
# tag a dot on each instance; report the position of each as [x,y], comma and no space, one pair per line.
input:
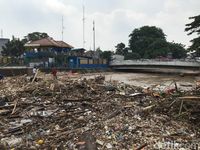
[89,114]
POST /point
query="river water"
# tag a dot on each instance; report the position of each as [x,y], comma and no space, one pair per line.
[159,81]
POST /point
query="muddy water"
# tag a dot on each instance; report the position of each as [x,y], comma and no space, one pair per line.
[159,81]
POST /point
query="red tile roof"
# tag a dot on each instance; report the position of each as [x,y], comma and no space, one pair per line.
[48,42]
[63,44]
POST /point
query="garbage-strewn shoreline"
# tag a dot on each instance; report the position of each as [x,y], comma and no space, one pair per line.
[78,113]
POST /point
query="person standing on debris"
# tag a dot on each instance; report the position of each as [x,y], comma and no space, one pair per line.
[54,73]
[34,71]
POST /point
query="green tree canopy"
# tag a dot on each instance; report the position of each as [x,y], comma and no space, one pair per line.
[120,49]
[106,55]
[177,50]
[13,48]
[194,28]
[35,36]
[157,48]
[131,56]
[148,42]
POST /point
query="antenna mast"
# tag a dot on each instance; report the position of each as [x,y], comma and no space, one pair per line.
[62,27]
[94,35]
[1,33]
[83,26]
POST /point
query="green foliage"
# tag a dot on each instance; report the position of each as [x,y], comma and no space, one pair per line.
[131,56]
[98,50]
[120,49]
[13,48]
[35,36]
[194,28]
[106,55]
[145,32]
[177,50]
[158,48]
[148,42]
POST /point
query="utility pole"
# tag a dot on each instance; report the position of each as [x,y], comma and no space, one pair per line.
[1,33]
[62,28]
[94,42]
[84,26]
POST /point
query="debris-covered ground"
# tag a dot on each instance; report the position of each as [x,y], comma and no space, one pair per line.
[72,113]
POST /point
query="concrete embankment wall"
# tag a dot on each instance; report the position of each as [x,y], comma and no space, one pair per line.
[175,63]
[14,71]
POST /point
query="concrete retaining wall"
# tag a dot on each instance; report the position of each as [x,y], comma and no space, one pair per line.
[14,71]
[154,62]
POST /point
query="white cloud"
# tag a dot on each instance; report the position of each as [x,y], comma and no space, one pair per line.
[116,26]
[59,7]
[115,19]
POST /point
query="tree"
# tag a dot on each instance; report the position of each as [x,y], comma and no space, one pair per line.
[194,27]
[15,48]
[150,42]
[106,55]
[35,36]
[147,40]
[131,56]
[98,50]
[120,49]
[177,50]
[158,48]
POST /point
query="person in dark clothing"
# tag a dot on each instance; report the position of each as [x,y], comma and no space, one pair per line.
[1,77]
[54,73]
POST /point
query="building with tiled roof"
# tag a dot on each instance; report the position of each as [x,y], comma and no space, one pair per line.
[47,42]
[47,50]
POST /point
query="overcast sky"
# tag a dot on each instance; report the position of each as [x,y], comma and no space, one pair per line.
[115,19]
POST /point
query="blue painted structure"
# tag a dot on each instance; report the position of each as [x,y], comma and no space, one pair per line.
[51,51]
[74,63]
[99,66]
[60,50]
[35,54]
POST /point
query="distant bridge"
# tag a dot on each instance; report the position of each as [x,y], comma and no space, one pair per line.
[151,65]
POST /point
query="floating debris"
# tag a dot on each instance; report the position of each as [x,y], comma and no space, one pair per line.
[95,114]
